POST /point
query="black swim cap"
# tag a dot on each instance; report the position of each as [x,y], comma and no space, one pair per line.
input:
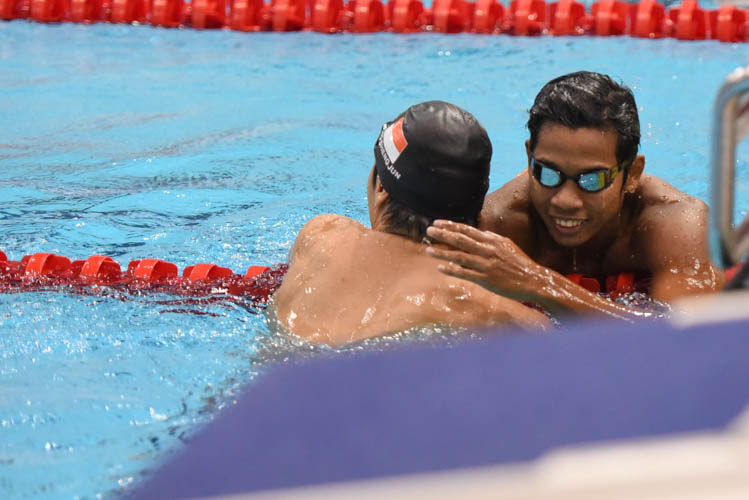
[434,158]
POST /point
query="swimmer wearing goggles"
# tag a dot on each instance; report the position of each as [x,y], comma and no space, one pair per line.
[591,181]
[535,230]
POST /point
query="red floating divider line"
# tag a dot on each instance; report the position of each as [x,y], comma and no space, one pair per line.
[566,16]
[247,15]
[100,267]
[87,11]
[288,15]
[648,20]
[405,15]
[688,21]
[588,283]
[326,16]
[167,13]
[154,270]
[47,271]
[610,17]
[369,16]
[452,16]
[620,284]
[208,14]
[205,272]
[488,16]
[14,9]
[253,271]
[45,264]
[130,11]
[731,24]
[528,16]
[48,11]
[75,268]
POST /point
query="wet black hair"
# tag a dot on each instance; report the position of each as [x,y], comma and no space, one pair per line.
[407,222]
[591,100]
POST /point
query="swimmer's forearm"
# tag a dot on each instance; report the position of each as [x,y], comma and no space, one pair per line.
[560,296]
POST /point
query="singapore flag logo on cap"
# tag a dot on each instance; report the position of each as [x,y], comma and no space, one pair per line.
[393,142]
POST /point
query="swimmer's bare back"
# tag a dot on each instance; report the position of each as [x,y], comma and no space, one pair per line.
[347,282]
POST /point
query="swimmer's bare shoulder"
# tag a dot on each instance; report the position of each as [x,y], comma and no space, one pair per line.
[507,212]
[671,236]
[664,211]
[322,232]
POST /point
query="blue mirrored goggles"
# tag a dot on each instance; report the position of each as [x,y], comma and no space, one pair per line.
[591,181]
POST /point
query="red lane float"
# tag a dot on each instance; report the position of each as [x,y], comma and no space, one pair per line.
[610,17]
[48,11]
[45,264]
[87,11]
[47,271]
[14,9]
[208,14]
[406,15]
[566,16]
[731,24]
[288,15]
[326,16]
[452,16]
[247,15]
[100,267]
[646,19]
[369,16]
[130,11]
[688,21]
[614,285]
[529,17]
[206,272]
[488,17]
[167,13]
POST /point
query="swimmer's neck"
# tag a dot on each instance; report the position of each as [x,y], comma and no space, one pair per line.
[419,246]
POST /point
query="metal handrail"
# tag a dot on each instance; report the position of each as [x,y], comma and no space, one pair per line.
[730,125]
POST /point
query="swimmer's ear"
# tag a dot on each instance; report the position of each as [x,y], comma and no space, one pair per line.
[528,151]
[380,195]
[378,187]
[633,176]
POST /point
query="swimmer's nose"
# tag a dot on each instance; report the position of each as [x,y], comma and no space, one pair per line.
[567,197]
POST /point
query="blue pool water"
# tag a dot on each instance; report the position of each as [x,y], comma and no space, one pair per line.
[216,147]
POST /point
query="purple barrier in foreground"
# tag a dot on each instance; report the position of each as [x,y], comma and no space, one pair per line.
[426,408]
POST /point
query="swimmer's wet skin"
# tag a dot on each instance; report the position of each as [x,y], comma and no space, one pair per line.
[582,206]
[347,282]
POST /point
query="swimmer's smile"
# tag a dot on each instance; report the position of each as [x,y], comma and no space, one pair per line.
[567,226]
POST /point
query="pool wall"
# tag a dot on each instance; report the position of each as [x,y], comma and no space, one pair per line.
[509,398]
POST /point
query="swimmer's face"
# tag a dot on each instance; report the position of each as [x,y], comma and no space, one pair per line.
[572,216]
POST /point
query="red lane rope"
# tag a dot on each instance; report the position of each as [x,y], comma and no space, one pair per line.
[47,271]
[646,19]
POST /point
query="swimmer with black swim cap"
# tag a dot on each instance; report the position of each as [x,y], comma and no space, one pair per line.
[582,206]
[434,158]
[347,282]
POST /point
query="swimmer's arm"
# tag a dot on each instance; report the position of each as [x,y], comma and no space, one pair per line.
[499,265]
[674,242]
